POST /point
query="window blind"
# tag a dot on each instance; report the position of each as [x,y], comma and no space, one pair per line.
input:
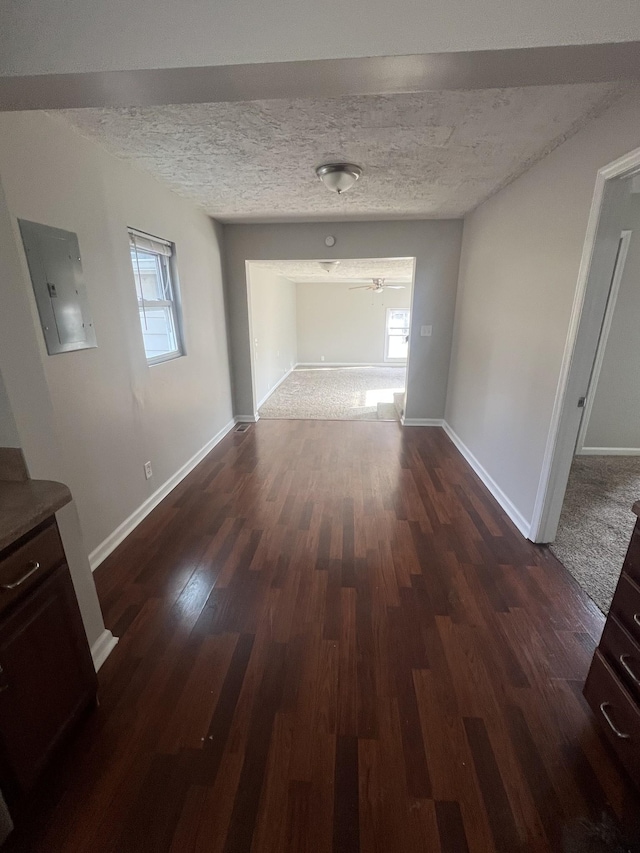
[149,244]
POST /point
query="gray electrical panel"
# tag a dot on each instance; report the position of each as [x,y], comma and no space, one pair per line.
[55,267]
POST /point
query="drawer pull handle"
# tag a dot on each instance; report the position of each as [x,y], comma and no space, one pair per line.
[636,618]
[34,565]
[612,725]
[623,660]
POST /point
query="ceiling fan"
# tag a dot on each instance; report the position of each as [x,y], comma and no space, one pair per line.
[378,286]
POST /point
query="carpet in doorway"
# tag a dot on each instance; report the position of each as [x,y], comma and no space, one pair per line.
[337,393]
[596,522]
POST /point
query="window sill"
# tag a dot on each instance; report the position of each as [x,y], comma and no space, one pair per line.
[161,359]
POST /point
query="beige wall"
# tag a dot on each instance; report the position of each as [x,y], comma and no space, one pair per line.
[111,411]
[32,410]
[8,430]
[434,243]
[345,326]
[273,328]
[519,268]
[615,416]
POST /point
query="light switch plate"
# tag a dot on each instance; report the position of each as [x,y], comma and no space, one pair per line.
[425,331]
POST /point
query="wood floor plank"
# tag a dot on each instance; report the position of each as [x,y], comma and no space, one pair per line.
[332,640]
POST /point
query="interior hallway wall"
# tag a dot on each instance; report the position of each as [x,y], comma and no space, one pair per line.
[518,273]
[343,325]
[615,417]
[273,327]
[434,243]
[113,412]
[8,431]
[28,397]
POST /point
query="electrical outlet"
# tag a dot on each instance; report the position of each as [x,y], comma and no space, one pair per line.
[425,331]
[148,470]
[321,358]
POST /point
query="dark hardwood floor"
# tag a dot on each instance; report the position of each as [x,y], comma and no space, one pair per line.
[333,640]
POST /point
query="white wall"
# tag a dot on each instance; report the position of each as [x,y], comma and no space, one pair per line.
[30,400]
[273,328]
[111,411]
[518,273]
[57,36]
[345,326]
[8,430]
[615,416]
[434,243]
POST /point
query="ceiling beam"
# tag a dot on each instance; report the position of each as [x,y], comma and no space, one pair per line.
[486,69]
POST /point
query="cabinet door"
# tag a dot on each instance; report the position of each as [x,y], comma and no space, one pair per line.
[47,677]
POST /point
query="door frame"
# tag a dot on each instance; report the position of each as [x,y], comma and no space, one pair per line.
[587,315]
[625,240]
[252,349]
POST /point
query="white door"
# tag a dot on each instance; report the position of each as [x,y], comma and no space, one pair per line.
[396,347]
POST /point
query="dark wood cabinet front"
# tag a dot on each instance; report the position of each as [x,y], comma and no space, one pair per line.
[612,688]
[46,676]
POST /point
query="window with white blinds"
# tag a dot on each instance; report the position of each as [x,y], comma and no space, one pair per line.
[152,262]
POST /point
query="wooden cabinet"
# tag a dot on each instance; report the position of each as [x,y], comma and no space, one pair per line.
[612,688]
[47,677]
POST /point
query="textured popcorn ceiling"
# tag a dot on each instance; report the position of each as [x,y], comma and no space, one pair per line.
[392,269]
[431,154]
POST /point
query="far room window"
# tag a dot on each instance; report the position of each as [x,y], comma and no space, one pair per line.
[153,271]
[397,334]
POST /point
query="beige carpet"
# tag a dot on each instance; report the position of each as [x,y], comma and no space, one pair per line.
[337,393]
[597,522]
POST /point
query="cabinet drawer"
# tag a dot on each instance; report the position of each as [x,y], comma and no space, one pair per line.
[617,713]
[626,605]
[47,679]
[632,560]
[25,565]
[623,654]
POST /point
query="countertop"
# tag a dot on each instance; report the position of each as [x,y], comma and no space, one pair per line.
[24,504]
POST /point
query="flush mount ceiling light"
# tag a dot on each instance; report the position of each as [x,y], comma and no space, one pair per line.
[329,266]
[339,177]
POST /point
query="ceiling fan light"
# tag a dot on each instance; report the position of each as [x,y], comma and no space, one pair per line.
[339,177]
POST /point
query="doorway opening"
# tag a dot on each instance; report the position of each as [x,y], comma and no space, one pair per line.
[591,477]
[330,340]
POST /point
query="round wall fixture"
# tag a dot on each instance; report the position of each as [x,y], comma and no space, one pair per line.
[330,241]
[339,177]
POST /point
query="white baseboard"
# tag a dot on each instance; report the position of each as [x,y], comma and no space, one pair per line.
[609,451]
[512,511]
[102,648]
[277,385]
[123,530]
[431,422]
[304,364]
[246,419]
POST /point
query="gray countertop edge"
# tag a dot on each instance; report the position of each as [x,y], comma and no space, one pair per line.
[24,505]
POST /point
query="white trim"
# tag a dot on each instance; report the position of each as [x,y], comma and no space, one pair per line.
[301,365]
[609,451]
[427,422]
[129,524]
[102,648]
[559,439]
[625,240]
[247,419]
[511,510]
[278,383]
